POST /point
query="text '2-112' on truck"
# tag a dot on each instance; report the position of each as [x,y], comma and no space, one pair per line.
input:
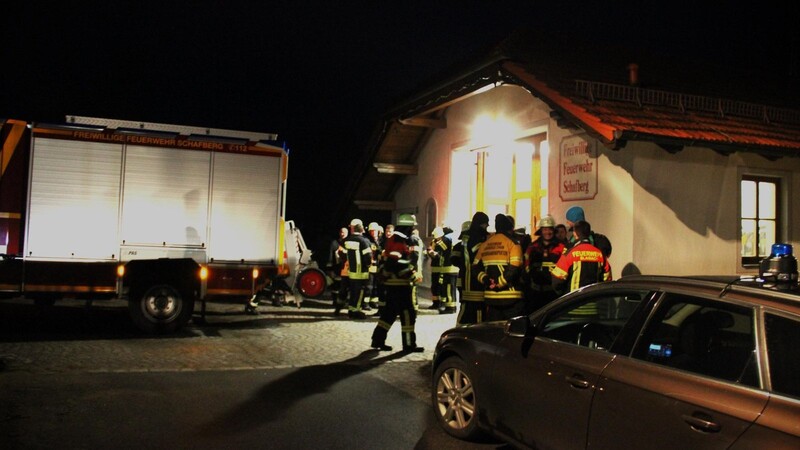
[160,215]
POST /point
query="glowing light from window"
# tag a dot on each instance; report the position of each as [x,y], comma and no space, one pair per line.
[493,129]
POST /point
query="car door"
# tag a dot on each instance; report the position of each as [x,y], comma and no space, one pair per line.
[778,426]
[692,381]
[542,388]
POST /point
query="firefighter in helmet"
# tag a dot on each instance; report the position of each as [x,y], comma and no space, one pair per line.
[499,268]
[359,259]
[541,257]
[375,236]
[473,234]
[444,275]
[399,272]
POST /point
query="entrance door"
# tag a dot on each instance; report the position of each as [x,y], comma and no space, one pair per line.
[510,180]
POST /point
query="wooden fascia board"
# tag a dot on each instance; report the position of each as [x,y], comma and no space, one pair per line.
[425,122]
[393,168]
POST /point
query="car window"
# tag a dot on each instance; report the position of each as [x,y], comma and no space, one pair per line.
[783,340]
[592,321]
[703,336]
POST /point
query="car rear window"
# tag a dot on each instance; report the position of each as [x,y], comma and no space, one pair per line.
[703,336]
[783,341]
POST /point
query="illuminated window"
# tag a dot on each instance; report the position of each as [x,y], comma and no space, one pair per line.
[759,217]
[511,180]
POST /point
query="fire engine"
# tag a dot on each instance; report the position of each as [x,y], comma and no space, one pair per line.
[160,215]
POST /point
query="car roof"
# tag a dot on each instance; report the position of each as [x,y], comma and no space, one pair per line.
[741,287]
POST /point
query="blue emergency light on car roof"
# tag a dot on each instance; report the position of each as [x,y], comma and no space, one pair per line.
[779,250]
[779,269]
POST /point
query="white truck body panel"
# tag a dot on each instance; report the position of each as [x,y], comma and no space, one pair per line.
[74,200]
[121,201]
[165,196]
[246,197]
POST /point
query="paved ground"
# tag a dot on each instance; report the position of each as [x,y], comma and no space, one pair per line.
[74,339]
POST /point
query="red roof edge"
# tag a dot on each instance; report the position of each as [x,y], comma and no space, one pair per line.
[563,103]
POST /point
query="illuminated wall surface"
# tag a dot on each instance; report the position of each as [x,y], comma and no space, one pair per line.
[664,213]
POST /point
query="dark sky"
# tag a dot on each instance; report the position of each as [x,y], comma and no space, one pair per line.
[320,74]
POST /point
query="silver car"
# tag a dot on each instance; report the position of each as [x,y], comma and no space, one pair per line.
[641,362]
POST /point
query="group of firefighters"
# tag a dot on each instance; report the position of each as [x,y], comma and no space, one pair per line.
[494,276]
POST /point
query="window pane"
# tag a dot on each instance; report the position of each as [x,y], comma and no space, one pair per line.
[523,155]
[498,174]
[766,236]
[598,330]
[702,336]
[749,238]
[767,200]
[783,340]
[523,213]
[748,199]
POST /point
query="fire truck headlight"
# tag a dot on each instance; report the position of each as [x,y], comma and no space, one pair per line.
[255,273]
[121,270]
[203,272]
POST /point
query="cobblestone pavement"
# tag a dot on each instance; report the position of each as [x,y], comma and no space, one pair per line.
[280,337]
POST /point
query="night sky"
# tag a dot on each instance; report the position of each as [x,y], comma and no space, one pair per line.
[320,74]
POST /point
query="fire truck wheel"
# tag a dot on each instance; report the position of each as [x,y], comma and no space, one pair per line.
[160,309]
[311,283]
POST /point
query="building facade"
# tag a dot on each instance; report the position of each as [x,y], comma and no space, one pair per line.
[682,184]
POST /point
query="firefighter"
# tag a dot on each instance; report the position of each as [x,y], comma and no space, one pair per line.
[541,257]
[582,265]
[416,248]
[336,259]
[359,259]
[444,275]
[600,241]
[399,272]
[499,268]
[387,236]
[344,286]
[472,304]
[375,235]
[457,260]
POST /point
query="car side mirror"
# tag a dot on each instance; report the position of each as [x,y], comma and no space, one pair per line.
[520,327]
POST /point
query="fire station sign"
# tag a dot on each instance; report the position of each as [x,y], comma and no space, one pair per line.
[577,168]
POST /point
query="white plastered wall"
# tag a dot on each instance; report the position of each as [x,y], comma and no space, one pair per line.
[664,213]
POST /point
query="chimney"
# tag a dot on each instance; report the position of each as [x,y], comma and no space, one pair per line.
[633,74]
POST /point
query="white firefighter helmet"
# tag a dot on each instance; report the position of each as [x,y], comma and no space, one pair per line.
[437,232]
[465,228]
[356,222]
[373,226]
[547,222]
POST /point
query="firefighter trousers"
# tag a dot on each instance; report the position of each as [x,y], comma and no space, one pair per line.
[358,289]
[471,311]
[399,302]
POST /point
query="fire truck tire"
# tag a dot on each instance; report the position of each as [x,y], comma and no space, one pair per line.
[160,309]
[311,282]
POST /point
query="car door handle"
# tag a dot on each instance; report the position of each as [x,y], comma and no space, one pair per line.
[703,424]
[578,382]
